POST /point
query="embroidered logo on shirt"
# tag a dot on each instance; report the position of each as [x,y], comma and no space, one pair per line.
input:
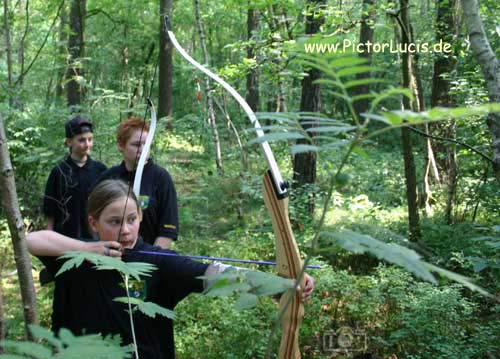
[143,201]
[169,226]
[137,289]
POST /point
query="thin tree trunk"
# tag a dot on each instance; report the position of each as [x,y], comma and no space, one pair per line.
[444,66]
[125,76]
[76,49]
[8,48]
[304,164]
[141,85]
[409,161]
[165,89]
[252,77]
[274,29]
[209,93]
[365,35]
[10,206]
[62,50]
[22,43]
[490,66]
[2,316]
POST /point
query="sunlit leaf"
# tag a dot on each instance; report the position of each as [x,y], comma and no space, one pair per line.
[296,149]
[334,129]
[132,269]
[458,278]
[362,82]
[348,61]
[393,253]
[267,284]
[148,308]
[246,301]
[29,349]
[45,334]
[356,70]
[277,137]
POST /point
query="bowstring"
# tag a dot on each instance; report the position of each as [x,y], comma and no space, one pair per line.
[136,161]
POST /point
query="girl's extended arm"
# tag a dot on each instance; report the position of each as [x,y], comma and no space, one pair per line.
[53,244]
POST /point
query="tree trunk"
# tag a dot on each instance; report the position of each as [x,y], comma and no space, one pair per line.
[365,35]
[304,164]
[2,316]
[490,66]
[165,100]
[76,50]
[409,162]
[8,48]
[61,50]
[252,77]
[22,43]
[444,66]
[10,206]
[276,40]
[140,86]
[209,93]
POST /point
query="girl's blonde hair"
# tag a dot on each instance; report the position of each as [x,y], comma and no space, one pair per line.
[107,192]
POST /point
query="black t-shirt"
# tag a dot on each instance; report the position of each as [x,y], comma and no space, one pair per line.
[83,299]
[160,213]
[66,194]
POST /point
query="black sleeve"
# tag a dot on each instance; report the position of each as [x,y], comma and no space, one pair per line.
[51,264]
[168,216]
[51,197]
[177,273]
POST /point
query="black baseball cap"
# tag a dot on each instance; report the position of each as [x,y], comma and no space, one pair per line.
[77,126]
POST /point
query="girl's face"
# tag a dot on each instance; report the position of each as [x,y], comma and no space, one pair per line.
[109,223]
[133,148]
[81,144]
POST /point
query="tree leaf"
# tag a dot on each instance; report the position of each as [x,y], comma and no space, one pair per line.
[148,308]
[45,334]
[334,129]
[268,284]
[367,81]
[303,148]
[459,279]
[357,70]
[29,349]
[277,137]
[393,253]
[246,301]
[132,269]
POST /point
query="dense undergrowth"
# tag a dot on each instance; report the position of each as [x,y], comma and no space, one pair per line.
[389,313]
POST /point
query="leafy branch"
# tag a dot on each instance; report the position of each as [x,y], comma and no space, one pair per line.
[326,135]
[248,285]
[65,346]
[136,270]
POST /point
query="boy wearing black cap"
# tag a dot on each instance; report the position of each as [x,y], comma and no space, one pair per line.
[69,183]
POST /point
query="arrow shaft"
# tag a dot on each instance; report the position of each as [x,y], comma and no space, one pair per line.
[221,259]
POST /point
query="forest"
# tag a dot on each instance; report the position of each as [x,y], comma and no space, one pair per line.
[383,117]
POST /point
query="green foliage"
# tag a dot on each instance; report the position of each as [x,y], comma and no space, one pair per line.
[398,316]
[247,284]
[126,269]
[225,216]
[148,308]
[65,346]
